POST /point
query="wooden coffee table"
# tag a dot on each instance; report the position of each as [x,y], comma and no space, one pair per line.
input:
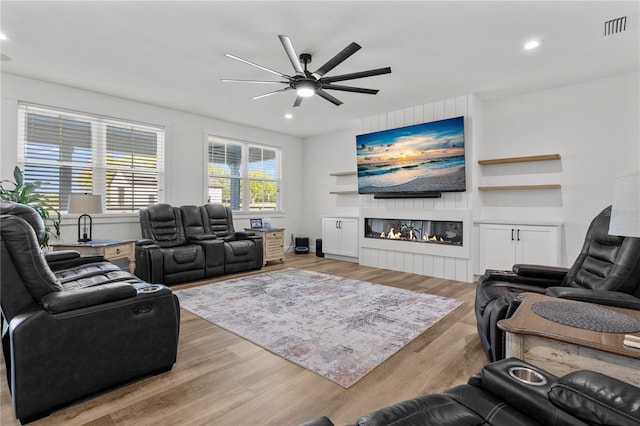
[560,349]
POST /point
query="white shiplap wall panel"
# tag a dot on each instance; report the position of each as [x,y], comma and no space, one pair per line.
[438,110]
[366,125]
[418,114]
[418,263]
[450,268]
[428,114]
[463,269]
[428,266]
[438,267]
[409,116]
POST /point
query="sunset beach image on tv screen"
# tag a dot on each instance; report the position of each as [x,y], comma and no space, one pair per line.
[419,158]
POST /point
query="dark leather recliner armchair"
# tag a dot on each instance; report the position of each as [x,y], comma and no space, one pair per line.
[164,255]
[73,326]
[243,250]
[606,272]
[495,397]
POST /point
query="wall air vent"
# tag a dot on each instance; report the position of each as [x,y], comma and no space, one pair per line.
[615,26]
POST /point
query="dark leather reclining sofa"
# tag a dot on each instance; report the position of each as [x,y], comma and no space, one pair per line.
[74,326]
[495,397]
[190,243]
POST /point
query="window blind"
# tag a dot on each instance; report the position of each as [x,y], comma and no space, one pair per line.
[70,152]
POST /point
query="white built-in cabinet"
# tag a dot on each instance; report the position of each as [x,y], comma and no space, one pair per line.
[502,245]
[340,236]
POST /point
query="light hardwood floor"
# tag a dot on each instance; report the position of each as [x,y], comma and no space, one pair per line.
[222,379]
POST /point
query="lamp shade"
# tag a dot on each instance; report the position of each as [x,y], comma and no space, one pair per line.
[85,203]
[625,212]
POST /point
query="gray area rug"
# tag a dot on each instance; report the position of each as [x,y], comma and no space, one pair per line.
[336,327]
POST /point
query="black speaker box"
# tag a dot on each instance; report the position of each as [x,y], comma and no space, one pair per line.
[319,252]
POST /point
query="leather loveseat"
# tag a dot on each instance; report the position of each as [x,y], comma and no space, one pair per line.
[190,243]
[497,397]
[72,325]
[606,272]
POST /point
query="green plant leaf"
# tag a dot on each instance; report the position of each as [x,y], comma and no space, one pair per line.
[18,175]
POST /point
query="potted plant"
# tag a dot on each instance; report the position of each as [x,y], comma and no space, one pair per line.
[25,193]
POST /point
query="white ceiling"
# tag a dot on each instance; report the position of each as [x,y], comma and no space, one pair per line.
[171,53]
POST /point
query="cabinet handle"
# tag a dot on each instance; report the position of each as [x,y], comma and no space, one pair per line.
[512,234]
[518,235]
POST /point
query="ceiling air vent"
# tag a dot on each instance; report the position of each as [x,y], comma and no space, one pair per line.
[615,26]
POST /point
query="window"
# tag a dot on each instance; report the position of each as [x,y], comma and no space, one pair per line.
[234,167]
[70,152]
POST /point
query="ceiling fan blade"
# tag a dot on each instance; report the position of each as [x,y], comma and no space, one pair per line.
[355,75]
[230,80]
[350,89]
[328,97]
[298,101]
[228,55]
[271,93]
[336,60]
[291,53]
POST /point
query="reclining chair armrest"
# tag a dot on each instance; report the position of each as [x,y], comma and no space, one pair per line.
[145,242]
[202,237]
[556,273]
[243,235]
[63,301]
[55,256]
[68,260]
[600,297]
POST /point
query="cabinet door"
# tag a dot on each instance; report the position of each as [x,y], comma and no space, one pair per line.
[497,246]
[348,237]
[330,235]
[537,245]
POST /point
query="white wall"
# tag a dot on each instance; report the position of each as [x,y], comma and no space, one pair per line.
[184,150]
[594,126]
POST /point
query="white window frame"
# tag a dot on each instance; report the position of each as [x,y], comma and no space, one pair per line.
[244,171]
[97,164]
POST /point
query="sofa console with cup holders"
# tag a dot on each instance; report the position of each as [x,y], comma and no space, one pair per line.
[512,392]
[191,243]
[74,326]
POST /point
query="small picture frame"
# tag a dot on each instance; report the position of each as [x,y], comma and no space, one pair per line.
[255,223]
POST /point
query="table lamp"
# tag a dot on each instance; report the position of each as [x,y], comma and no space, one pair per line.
[85,204]
[625,212]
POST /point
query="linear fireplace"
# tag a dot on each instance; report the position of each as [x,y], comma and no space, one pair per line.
[443,232]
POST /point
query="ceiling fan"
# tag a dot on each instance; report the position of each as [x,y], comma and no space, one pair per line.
[307,83]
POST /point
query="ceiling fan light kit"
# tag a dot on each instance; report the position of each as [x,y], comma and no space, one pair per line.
[307,83]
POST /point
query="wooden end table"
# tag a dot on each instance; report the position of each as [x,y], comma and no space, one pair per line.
[110,249]
[272,243]
[561,349]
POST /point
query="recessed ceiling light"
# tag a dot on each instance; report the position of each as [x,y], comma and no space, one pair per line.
[3,37]
[288,116]
[532,44]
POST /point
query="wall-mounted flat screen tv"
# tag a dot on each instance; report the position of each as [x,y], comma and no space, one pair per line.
[421,158]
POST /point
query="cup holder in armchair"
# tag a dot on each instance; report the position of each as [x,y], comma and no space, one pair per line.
[528,376]
[150,289]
